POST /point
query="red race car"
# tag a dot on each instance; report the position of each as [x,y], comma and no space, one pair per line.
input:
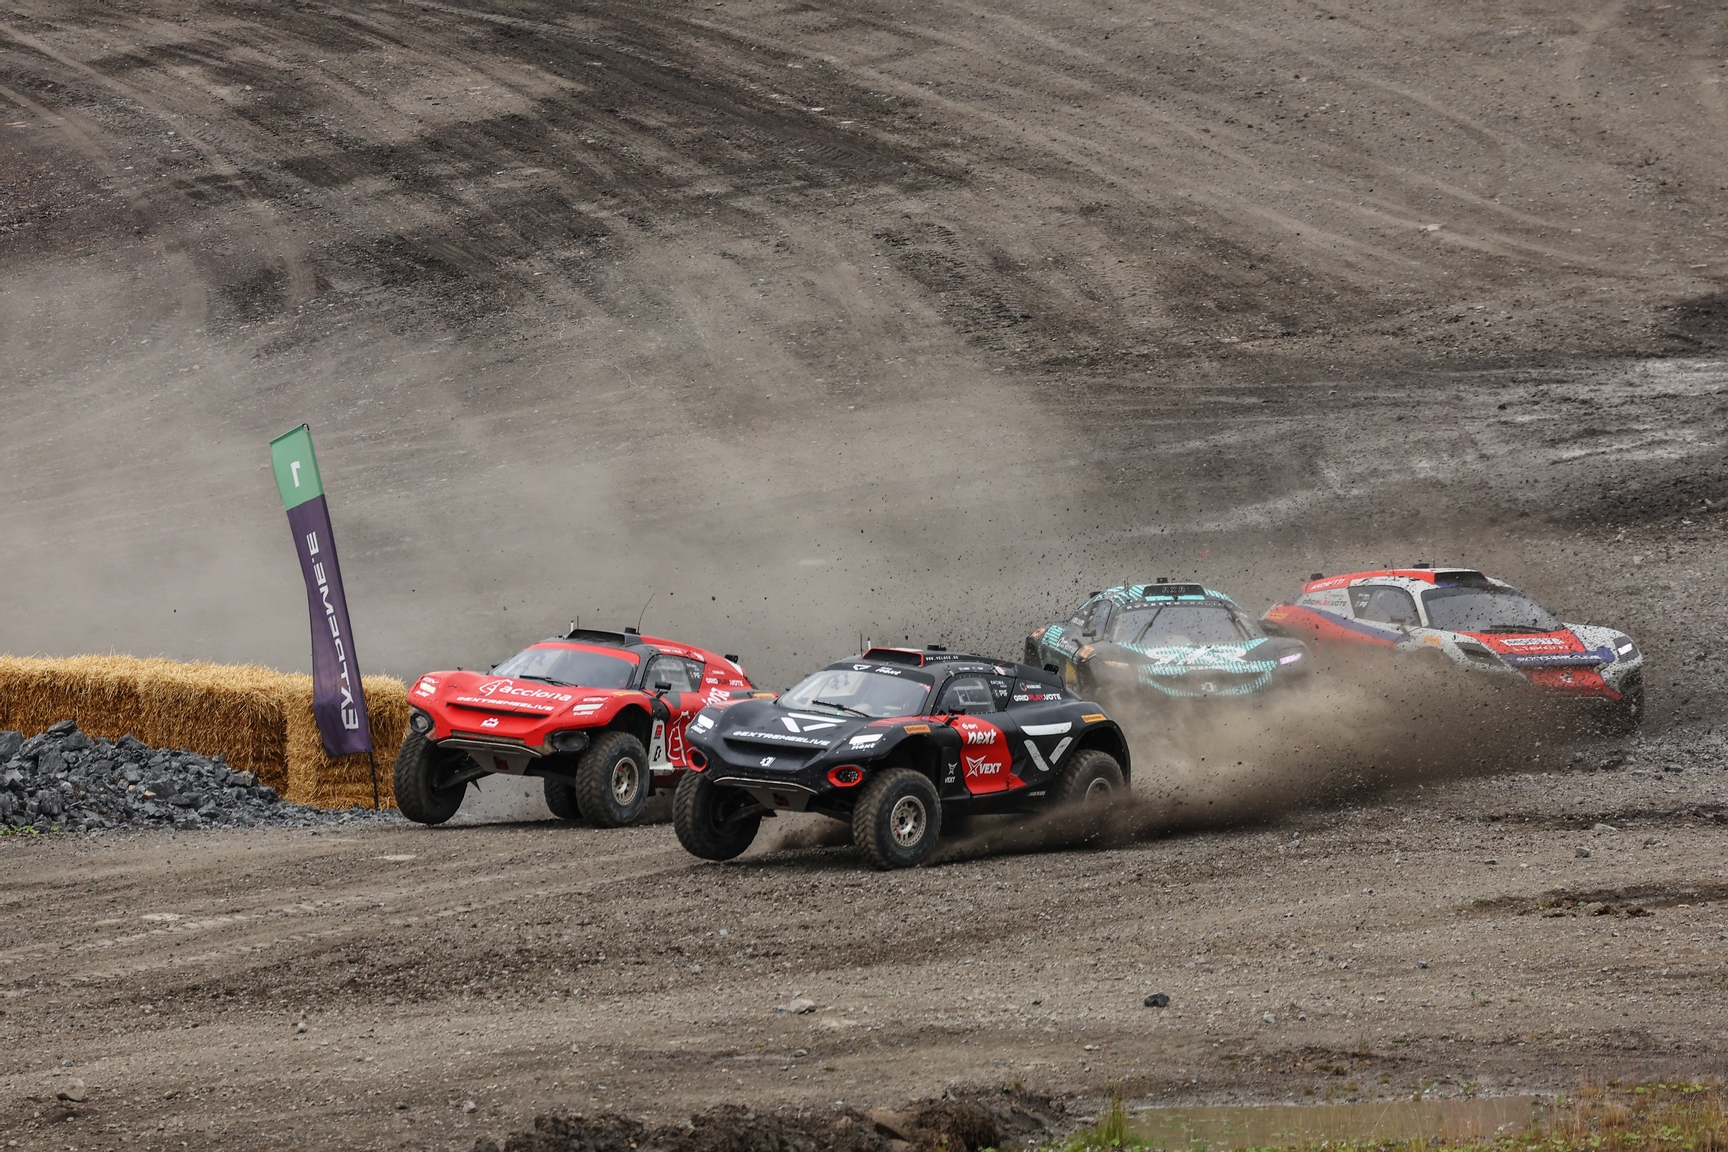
[599,716]
[1476,622]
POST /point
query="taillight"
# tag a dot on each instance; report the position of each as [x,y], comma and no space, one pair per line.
[845,776]
[697,760]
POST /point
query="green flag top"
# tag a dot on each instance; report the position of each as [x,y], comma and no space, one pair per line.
[296,467]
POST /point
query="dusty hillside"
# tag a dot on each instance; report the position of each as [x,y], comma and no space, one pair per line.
[809,317]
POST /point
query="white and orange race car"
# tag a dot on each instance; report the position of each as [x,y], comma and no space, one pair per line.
[1475,621]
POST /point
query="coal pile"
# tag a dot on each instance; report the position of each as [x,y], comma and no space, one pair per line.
[62,780]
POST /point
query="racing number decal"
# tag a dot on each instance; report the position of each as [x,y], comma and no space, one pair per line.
[985,757]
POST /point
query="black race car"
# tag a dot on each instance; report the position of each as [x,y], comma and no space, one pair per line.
[897,742]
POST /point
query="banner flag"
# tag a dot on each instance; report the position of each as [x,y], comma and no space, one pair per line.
[338,704]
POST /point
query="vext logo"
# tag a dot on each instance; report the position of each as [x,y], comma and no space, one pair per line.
[981,766]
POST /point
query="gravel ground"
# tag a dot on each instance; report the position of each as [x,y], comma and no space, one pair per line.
[63,781]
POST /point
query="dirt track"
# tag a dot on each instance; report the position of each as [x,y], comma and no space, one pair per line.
[527,967]
[826,320]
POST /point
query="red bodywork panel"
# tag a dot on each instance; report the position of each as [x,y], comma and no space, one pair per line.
[479,706]
[985,757]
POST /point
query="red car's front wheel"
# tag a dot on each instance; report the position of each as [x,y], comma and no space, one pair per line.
[612,782]
[423,770]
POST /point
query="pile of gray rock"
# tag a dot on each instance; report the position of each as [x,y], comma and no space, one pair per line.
[62,780]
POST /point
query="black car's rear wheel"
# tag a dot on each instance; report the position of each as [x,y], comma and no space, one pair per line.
[710,821]
[561,799]
[1092,777]
[612,780]
[897,819]
[422,780]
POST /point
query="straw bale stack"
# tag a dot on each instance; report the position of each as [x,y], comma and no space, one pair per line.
[346,781]
[258,719]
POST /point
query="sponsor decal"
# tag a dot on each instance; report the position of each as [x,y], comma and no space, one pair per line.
[1061,748]
[1531,641]
[503,705]
[1093,718]
[982,736]
[765,762]
[918,729]
[981,766]
[703,722]
[798,723]
[1037,757]
[489,722]
[865,739]
[778,738]
[509,688]
[1047,729]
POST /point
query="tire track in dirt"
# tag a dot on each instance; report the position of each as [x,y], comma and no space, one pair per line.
[299,277]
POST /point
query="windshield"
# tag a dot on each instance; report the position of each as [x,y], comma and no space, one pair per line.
[875,694]
[1486,610]
[587,667]
[1179,625]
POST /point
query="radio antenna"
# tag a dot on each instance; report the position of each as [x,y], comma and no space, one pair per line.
[644,611]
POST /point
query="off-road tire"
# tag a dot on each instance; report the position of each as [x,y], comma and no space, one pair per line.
[420,766]
[1625,715]
[561,798]
[702,816]
[897,820]
[1092,777]
[612,781]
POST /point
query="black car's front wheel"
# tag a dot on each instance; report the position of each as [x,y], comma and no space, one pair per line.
[612,781]
[422,781]
[898,819]
[711,822]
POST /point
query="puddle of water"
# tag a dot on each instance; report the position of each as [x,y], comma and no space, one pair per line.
[1274,1125]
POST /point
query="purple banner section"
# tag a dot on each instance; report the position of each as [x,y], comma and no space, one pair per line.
[337,702]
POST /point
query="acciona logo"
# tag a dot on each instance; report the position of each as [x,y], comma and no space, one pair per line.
[509,688]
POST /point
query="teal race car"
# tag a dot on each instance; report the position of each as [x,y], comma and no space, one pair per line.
[1164,641]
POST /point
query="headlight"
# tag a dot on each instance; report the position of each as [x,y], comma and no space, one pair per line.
[1290,658]
[572,741]
[1624,649]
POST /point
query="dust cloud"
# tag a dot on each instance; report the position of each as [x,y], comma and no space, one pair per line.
[1369,724]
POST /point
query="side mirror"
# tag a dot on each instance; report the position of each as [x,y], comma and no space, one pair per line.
[1052,669]
[661,687]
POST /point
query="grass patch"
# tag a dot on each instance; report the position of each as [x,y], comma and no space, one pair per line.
[1637,1118]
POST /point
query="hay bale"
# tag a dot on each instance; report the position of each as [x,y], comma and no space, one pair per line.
[229,710]
[258,719]
[346,781]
